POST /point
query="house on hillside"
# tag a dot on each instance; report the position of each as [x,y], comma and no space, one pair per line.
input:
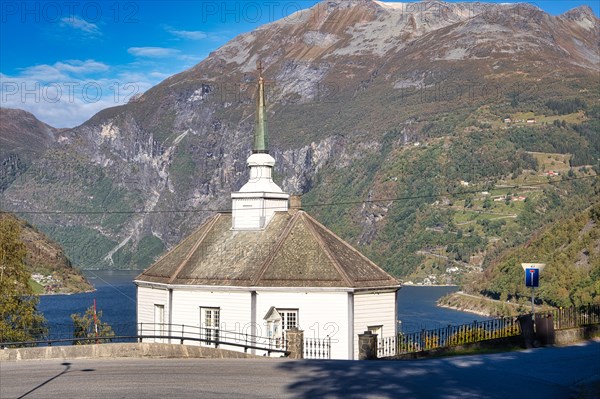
[266,267]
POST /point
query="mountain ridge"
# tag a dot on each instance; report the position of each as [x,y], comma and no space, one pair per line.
[343,95]
[23,138]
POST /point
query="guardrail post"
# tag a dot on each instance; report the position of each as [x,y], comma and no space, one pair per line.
[295,338]
[527,330]
[544,329]
[367,346]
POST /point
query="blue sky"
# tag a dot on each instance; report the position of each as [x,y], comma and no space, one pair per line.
[66,60]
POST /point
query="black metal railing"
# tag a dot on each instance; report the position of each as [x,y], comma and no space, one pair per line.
[575,316]
[68,334]
[180,333]
[317,348]
[152,332]
[448,336]
[503,327]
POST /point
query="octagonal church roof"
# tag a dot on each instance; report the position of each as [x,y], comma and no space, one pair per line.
[293,250]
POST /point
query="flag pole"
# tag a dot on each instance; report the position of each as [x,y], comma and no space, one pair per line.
[95,322]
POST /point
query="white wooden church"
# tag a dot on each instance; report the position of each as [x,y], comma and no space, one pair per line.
[267,267]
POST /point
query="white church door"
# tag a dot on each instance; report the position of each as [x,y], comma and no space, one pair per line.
[209,324]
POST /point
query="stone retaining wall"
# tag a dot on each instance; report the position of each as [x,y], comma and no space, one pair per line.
[573,335]
[118,350]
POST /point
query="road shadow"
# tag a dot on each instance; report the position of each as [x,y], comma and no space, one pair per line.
[67,369]
[540,373]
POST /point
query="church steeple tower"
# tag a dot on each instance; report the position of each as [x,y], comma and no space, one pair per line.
[258,200]
[261,136]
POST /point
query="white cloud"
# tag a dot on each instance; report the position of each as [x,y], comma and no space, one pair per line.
[77,66]
[43,73]
[196,34]
[60,71]
[70,92]
[68,114]
[188,34]
[64,104]
[81,25]
[152,52]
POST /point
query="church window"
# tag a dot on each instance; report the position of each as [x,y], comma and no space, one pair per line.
[289,318]
[209,324]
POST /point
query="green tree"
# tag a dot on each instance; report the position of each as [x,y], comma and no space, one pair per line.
[469,202]
[595,213]
[487,203]
[19,318]
[85,327]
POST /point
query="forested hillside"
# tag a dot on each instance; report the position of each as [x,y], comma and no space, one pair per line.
[459,199]
[571,250]
[50,270]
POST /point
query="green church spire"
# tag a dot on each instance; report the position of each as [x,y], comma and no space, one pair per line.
[261,138]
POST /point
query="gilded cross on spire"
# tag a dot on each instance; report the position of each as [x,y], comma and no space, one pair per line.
[261,138]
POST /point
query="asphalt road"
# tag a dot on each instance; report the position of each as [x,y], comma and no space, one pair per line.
[569,372]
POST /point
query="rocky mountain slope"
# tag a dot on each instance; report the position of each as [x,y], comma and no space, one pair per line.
[367,101]
[23,138]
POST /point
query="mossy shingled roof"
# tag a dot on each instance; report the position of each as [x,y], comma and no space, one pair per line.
[294,250]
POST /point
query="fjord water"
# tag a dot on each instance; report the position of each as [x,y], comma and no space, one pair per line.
[116,297]
[417,309]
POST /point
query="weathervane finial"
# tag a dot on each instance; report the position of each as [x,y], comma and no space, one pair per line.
[259,68]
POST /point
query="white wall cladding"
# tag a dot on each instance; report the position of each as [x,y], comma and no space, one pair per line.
[319,314]
[374,309]
[234,305]
[146,299]
[255,213]
[274,205]
[247,213]
[339,314]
